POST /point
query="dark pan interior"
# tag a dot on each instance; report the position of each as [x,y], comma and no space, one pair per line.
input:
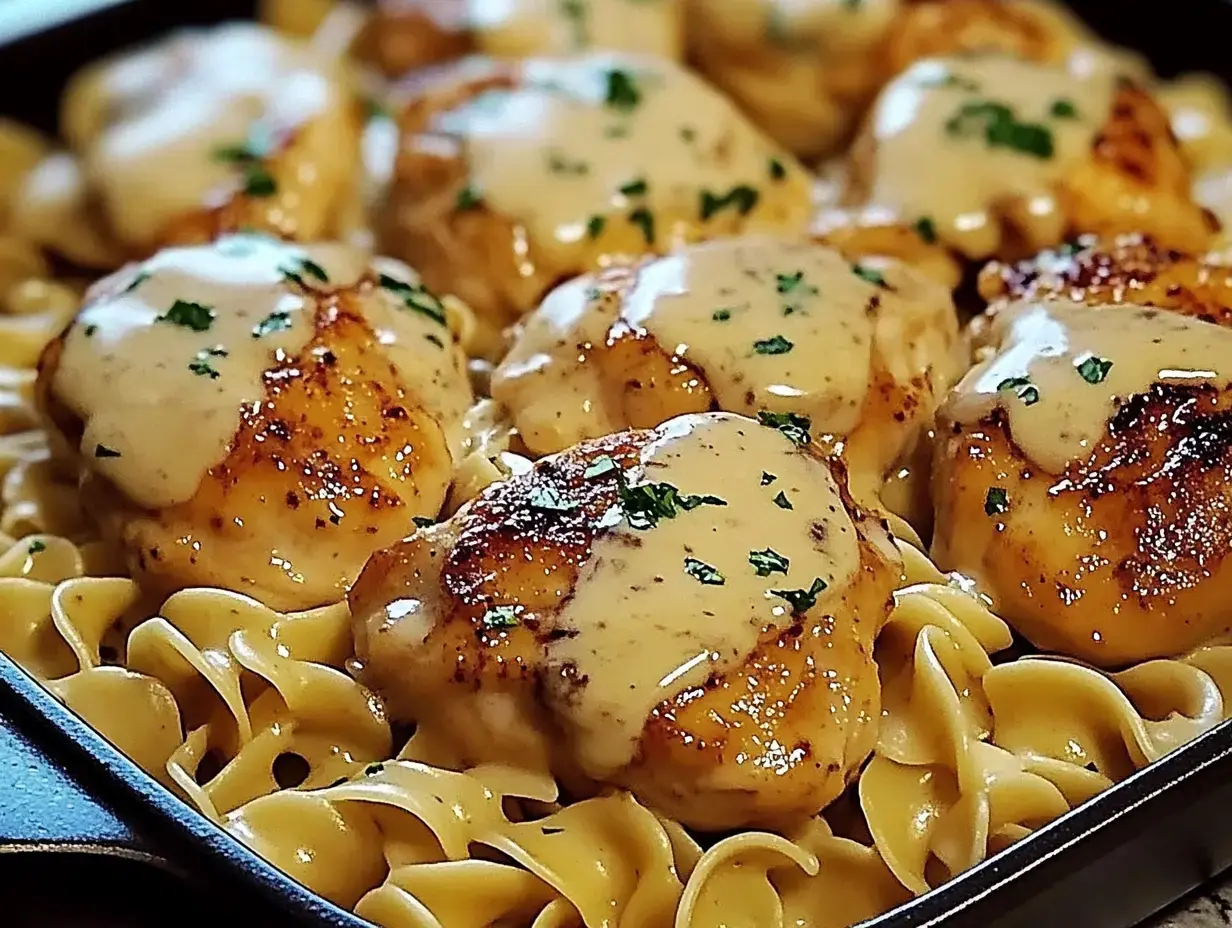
[1108,864]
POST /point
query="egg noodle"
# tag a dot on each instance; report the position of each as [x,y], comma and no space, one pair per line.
[253,716]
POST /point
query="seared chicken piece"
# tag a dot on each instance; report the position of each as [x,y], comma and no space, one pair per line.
[211,131]
[806,71]
[1082,479]
[405,35]
[686,612]
[512,177]
[992,156]
[258,416]
[1129,270]
[863,351]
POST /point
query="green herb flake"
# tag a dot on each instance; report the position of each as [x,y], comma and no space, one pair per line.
[603,464]
[768,478]
[634,188]
[277,321]
[1064,109]
[195,316]
[742,197]
[422,521]
[691,501]
[140,278]
[996,502]
[721,315]
[501,616]
[644,220]
[776,345]
[90,330]
[415,297]
[688,134]
[794,426]
[1094,369]
[768,561]
[201,365]
[594,226]
[802,601]
[468,198]
[548,498]
[926,229]
[1001,128]
[1023,389]
[777,171]
[258,182]
[646,504]
[703,572]
[36,547]
[782,501]
[872,275]
[102,451]
[622,92]
[559,164]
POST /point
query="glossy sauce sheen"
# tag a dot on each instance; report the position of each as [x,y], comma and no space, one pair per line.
[554,153]
[169,111]
[1046,345]
[928,165]
[155,419]
[520,28]
[767,324]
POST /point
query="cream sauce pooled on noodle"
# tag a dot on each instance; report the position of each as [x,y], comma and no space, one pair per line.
[957,138]
[1063,370]
[166,353]
[594,140]
[651,617]
[520,28]
[161,151]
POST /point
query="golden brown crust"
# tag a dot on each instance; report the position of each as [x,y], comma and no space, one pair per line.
[1121,558]
[406,35]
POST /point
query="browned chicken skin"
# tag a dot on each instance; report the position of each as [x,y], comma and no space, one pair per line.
[345,437]
[535,624]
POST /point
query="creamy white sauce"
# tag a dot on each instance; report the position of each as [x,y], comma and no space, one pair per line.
[586,145]
[521,28]
[153,153]
[769,325]
[934,159]
[161,401]
[1057,415]
[687,629]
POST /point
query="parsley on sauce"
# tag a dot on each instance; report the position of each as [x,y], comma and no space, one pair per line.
[742,197]
[1023,389]
[802,600]
[1094,369]
[195,316]
[793,426]
[996,501]
[703,572]
[768,561]
[622,92]
[776,345]
[1001,128]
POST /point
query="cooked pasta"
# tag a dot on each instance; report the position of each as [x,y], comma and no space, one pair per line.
[603,621]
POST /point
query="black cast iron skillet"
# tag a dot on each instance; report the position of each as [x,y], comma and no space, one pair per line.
[75,813]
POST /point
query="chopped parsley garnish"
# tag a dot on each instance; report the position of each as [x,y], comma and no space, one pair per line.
[559,164]
[1064,109]
[603,464]
[311,268]
[1094,369]
[634,188]
[549,498]
[949,79]
[802,600]
[793,426]
[195,316]
[415,297]
[258,182]
[996,501]
[594,226]
[422,521]
[793,283]
[742,197]
[622,92]
[501,616]
[277,321]
[468,198]
[137,281]
[776,345]
[721,315]
[767,478]
[1023,389]
[644,219]
[687,133]
[90,330]
[926,229]
[102,451]
[777,171]
[36,547]
[259,144]
[645,505]
[1001,128]
[434,339]
[703,572]
[201,365]
[872,275]
[768,561]
[782,501]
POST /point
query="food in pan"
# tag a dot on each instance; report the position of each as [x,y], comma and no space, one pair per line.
[632,546]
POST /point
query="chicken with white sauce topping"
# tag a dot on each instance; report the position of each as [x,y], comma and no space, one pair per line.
[688,612]
[861,351]
[512,177]
[258,416]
